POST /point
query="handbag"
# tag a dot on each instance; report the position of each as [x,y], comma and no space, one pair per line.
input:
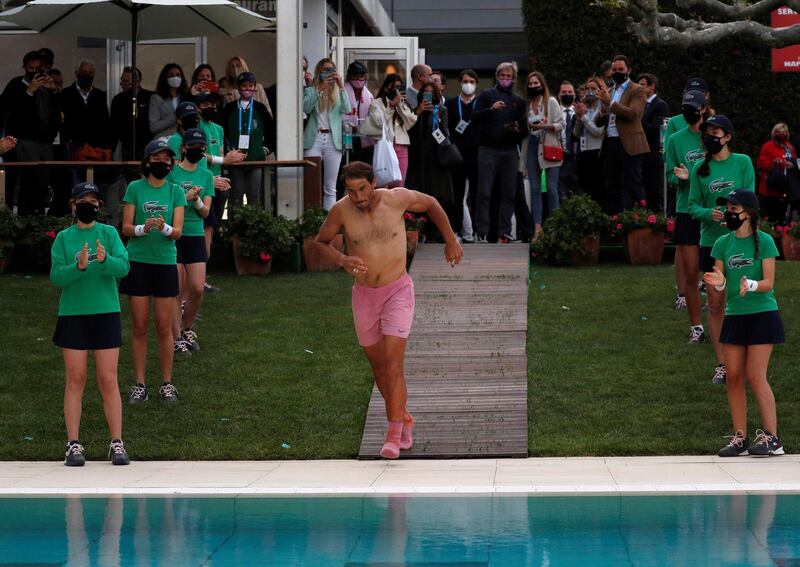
[385,164]
[88,152]
[553,153]
[448,154]
[777,179]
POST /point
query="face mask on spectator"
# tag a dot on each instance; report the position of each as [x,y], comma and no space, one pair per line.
[781,137]
[590,98]
[189,122]
[86,212]
[567,99]
[194,155]
[246,94]
[85,80]
[619,78]
[691,115]
[505,83]
[359,84]
[468,88]
[535,91]
[175,82]
[158,169]
[209,113]
[713,143]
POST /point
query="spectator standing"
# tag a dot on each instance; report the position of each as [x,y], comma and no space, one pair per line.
[545,125]
[500,116]
[420,74]
[325,105]
[247,122]
[57,80]
[568,172]
[87,258]
[32,119]
[464,136]
[360,100]
[122,123]
[441,81]
[233,69]
[625,142]
[653,117]
[606,73]
[204,80]
[590,140]
[425,174]
[677,122]
[48,58]
[171,90]
[775,161]
[391,108]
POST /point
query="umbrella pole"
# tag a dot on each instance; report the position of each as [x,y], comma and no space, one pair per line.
[134,74]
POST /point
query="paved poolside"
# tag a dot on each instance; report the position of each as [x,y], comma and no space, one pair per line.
[590,475]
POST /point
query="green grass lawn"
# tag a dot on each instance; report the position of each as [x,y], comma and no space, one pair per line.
[610,372]
[612,375]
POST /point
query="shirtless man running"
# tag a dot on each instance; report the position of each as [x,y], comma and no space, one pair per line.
[383,293]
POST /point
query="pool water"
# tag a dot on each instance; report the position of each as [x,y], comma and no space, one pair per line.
[403,530]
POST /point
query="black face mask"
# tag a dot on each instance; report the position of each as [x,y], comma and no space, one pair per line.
[158,169]
[732,220]
[189,122]
[712,143]
[209,114]
[567,99]
[619,78]
[535,91]
[194,155]
[691,115]
[86,212]
[84,80]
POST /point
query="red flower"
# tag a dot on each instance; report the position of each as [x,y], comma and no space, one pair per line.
[652,219]
[423,219]
[265,257]
[615,217]
[779,229]
[408,216]
[643,204]
[670,225]
[619,226]
[51,234]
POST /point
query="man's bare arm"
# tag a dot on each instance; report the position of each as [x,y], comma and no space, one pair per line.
[417,202]
[330,228]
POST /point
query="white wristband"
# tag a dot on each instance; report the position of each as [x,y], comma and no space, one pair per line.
[721,287]
[752,285]
[167,230]
[138,230]
[198,204]
[217,160]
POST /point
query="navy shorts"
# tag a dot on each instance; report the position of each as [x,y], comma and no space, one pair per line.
[191,249]
[88,332]
[765,328]
[145,280]
[707,261]
[687,230]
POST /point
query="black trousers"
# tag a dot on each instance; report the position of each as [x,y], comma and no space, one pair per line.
[568,177]
[34,182]
[623,177]
[772,209]
[496,165]
[466,172]
[590,174]
[653,179]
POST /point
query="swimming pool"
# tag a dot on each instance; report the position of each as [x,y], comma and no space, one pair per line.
[417,531]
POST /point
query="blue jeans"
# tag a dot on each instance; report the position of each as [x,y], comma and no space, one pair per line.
[535,179]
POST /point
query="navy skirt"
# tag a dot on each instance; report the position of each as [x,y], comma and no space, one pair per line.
[88,332]
[765,328]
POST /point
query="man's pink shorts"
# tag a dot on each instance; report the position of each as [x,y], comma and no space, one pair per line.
[385,310]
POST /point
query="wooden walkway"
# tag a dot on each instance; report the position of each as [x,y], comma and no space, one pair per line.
[465,365]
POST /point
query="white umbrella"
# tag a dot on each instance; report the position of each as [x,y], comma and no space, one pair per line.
[135,20]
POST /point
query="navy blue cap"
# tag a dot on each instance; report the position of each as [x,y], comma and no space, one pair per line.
[694,98]
[194,137]
[720,121]
[697,84]
[82,189]
[157,146]
[743,197]
[247,76]
[206,95]
[186,109]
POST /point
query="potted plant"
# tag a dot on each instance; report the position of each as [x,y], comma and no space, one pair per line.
[790,238]
[571,236]
[414,224]
[256,237]
[35,239]
[643,235]
[308,229]
[9,229]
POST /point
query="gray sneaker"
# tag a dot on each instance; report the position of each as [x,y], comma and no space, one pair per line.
[181,348]
[190,338]
[118,454]
[467,238]
[720,375]
[168,392]
[680,303]
[697,335]
[74,456]
[138,394]
[737,447]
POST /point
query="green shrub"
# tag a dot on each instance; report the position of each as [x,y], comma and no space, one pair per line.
[563,233]
[261,235]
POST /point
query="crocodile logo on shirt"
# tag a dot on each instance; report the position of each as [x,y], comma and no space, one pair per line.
[720,185]
[92,256]
[154,207]
[214,141]
[694,155]
[187,186]
[739,261]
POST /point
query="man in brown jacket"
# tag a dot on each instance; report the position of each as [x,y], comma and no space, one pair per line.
[625,142]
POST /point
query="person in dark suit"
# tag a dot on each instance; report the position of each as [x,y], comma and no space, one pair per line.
[655,113]
[568,172]
[625,142]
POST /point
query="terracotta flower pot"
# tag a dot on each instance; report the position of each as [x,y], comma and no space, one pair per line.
[246,266]
[791,247]
[315,261]
[588,254]
[644,247]
[412,241]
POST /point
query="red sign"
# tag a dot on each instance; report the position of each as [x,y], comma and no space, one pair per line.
[786,59]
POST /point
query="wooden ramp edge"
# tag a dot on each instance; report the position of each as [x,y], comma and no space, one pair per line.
[466,363]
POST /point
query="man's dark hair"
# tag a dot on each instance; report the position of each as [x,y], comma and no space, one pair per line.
[605,66]
[650,79]
[130,70]
[47,55]
[468,73]
[31,56]
[622,58]
[567,83]
[417,70]
[357,170]
[55,72]
[442,78]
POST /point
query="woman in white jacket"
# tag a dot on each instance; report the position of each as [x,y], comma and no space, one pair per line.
[590,135]
[545,123]
[390,107]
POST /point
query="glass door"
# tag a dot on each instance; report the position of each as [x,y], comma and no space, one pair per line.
[381,55]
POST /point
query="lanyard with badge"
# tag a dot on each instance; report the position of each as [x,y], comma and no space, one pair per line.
[244,139]
[462,124]
[437,133]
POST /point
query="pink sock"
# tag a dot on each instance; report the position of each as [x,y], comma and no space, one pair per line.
[406,438]
[391,448]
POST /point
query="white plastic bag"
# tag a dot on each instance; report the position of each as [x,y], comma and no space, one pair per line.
[384,161]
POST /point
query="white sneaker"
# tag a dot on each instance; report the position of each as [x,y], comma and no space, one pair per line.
[467,238]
